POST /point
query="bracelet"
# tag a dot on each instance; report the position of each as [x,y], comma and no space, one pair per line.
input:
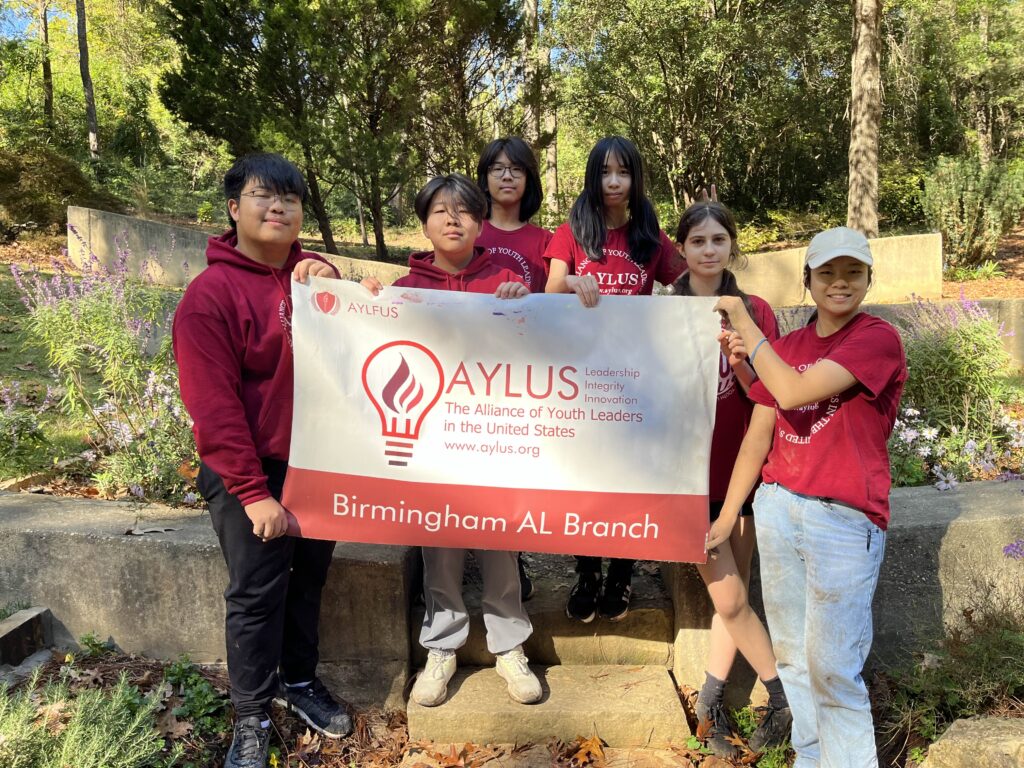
[750,359]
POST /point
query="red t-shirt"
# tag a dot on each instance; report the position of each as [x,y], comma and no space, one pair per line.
[521,251]
[732,412]
[837,448]
[618,274]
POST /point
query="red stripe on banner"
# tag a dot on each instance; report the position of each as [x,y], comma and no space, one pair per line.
[642,526]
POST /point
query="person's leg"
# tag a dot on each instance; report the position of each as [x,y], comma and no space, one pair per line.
[583,597]
[617,590]
[258,576]
[507,624]
[844,552]
[780,542]
[446,622]
[722,654]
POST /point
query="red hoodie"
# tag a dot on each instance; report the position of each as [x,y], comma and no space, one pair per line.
[232,341]
[481,275]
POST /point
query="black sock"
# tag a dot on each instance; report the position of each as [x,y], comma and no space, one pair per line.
[776,695]
[712,691]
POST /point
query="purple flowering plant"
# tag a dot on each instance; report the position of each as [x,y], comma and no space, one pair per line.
[105,331]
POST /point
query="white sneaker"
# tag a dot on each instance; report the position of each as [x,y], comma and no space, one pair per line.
[523,685]
[431,686]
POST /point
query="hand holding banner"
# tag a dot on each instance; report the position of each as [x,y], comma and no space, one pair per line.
[453,419]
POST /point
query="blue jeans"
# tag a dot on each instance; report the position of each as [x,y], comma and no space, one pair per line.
[819,568]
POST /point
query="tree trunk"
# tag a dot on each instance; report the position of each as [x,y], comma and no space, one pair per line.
[362,220]
[44,35]
[316,202]
[377,215]
[90,99]
[865,117]
[531,72]
[551,162]
[982,123]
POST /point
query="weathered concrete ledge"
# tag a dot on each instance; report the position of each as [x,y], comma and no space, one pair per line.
[103,234]
[943,556]
[161,594]
[980,742]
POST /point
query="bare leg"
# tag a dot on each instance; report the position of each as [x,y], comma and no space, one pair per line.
[723,649]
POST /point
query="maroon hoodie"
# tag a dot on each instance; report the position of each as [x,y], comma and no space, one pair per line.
[481,275]
[232,341]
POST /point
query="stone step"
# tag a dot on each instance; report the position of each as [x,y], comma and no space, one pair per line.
[627,706]
[161,594]
[534,756]
[645,636]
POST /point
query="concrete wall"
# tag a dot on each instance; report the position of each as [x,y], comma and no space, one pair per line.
[173,254]
[904,266]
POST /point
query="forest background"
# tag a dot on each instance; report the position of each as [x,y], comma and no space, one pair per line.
[141,105]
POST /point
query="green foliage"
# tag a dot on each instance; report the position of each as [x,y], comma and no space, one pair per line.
[899,192]
[107,325]
[956,362]
[22,435]
[202,704]
[988,270]
[37,185]
[92,647]
[12,608]
[93,729]
[972,206]
[978,666]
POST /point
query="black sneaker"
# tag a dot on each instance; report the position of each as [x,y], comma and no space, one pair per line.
[773,730]
[716,739]
[250,745]
[615,598]
[525,582]
[317,708]
[582,604]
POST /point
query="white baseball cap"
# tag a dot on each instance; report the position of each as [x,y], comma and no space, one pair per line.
[839,241]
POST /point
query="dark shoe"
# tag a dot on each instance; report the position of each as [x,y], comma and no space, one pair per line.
[250,745]
[525,582]
[719,730]
[773,730]
[317,708]
[615,598]
[582,604]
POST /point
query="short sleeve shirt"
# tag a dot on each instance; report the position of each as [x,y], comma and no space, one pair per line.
[521,251]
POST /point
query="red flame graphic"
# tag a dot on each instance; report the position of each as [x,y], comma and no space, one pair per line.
[410,397]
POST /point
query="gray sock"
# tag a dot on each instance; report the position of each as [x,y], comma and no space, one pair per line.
[712,691]
[776,695]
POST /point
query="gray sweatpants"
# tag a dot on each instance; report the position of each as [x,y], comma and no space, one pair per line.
[446,623]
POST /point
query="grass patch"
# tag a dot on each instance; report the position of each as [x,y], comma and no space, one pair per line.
[6,611]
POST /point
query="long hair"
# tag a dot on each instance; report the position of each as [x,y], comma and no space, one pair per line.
[518,153]
[696,215]
[586,219]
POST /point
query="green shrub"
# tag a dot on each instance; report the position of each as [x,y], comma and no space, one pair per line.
[52,728]
[899,192]
[104,326]
[972,206]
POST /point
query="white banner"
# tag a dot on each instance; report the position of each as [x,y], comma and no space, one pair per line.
[455,419]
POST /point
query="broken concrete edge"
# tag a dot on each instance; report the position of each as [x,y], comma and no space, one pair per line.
[23,633]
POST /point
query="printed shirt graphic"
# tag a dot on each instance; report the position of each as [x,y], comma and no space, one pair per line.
[837,448]
[521,251]
[732,415]
[618,274]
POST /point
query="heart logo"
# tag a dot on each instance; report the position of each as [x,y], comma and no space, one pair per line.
[326,302]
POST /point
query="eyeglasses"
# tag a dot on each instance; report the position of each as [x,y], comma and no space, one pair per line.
[497,171]
[290,201]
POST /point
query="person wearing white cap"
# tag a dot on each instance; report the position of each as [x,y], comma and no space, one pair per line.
[826,400]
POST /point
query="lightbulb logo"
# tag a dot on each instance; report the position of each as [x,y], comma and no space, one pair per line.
[403,380]
[326,302]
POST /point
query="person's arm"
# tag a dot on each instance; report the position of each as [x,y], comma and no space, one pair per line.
[560,281]
[745,472]
[790,388]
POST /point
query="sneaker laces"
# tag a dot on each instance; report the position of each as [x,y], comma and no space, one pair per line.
[517,659]
[719,721]
[439,657]
[319,693]
[248,740]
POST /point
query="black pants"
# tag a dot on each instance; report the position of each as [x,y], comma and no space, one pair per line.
[618,568]
[273,597]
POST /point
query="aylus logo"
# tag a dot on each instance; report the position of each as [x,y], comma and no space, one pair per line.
[326,302]
[403,380]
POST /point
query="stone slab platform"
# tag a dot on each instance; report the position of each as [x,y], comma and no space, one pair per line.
[634,706]
[540,756]
[24,633]
[161,594]
[643,637]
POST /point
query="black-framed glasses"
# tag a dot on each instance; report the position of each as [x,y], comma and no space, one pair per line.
[498,171]
[264,199]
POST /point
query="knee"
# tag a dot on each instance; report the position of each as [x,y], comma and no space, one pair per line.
[732,605]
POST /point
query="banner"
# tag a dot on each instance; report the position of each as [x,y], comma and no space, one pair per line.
[450,419]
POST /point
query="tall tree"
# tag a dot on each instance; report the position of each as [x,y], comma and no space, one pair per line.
[865,117]
[90,98]
[44,47]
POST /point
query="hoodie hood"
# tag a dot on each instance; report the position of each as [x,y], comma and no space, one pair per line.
[423,269]
[224,250]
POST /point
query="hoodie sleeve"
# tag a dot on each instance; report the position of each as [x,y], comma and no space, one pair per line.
[209,374]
